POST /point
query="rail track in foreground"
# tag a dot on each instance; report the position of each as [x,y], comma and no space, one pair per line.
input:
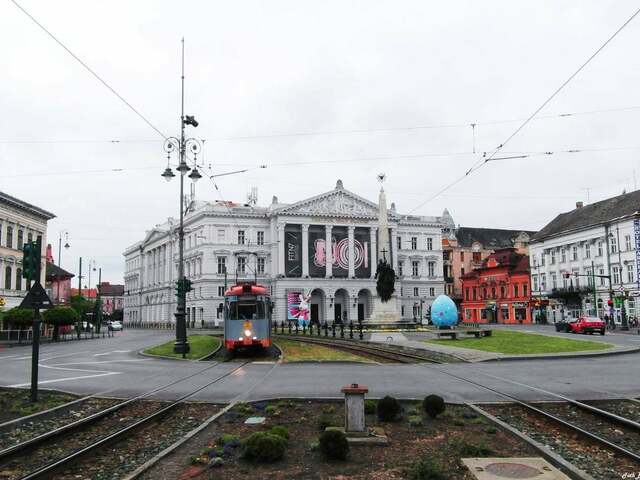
[30,460]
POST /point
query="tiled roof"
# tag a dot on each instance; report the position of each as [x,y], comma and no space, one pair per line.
[490,238]
[54,272]
[508,257]
[591,215]
[108,290]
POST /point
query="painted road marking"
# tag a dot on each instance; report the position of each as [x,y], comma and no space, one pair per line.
[18,385]
[110,352]
[103,361]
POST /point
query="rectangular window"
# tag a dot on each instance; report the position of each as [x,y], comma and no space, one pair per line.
[400,265]
[432,292]
[577,281]
[629,273]
[553,257]
[461,270]
[587,251]
[534,280]
[431,269]
[477,257]
[415,292]
[542,257]
[565,281]
[627,243]
[563,255]
[414,269]
[589,272]
[515,291]
[221,235]
[260,266]
[613,244]
[242,265]
[399,242]
[429,243]
[524,290]
[554,280]
[475,293]
[260,238]
[462,256]
[9,238]
[602,279]
[467,295]
[221,291]
[502,292]
[20,240]
[599,249]
[574,253]
[222,264]
[615,270]
[414,243]
[543,281]
[240,237]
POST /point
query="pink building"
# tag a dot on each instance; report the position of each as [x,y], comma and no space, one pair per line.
[112,297]
[57,281]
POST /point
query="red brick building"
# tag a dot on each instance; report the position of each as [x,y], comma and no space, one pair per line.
[498,291]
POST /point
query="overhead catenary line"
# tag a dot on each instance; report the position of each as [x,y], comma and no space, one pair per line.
[484,160]
[334,132]
[90,70]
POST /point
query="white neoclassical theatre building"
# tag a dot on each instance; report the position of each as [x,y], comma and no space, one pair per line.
[284,246]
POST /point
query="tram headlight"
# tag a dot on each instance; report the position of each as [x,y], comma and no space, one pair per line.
[247,333]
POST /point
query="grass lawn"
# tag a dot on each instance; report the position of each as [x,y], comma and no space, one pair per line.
[518,343]
[16,403]
[200,346]
[293,351]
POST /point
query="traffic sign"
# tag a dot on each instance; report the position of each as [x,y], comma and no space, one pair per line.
[36,298]
[621,289]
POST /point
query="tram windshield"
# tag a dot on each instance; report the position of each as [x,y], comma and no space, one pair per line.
[246,310]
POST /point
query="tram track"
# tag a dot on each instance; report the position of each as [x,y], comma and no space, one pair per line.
[29,460]
[384,353]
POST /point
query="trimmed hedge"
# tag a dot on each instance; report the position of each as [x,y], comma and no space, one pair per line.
[433,405]
[389,409]
[264,447]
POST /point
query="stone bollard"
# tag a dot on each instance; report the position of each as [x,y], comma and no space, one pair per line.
[354,409]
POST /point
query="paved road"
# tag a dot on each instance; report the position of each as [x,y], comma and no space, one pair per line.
[112,366]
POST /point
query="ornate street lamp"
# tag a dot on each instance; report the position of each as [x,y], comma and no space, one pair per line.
[182,144]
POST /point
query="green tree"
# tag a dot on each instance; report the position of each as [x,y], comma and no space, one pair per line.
[83,307]
[18,317]
[60,316]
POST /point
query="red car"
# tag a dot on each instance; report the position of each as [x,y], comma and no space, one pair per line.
[587,325]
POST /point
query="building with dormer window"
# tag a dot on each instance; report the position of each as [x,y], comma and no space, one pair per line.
[324,246]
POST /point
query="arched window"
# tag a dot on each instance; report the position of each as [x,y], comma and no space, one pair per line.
[7,278]
[18,279]
[9,243]
[29,237]
[20,239]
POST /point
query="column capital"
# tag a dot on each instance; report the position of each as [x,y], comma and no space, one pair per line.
[351,228]
[305,227]
[328,227]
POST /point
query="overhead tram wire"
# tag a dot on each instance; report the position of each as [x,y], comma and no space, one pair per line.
[334,132]
[91,71]
[484,160]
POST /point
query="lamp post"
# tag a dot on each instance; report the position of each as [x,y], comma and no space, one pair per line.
[182,144]
[66,245]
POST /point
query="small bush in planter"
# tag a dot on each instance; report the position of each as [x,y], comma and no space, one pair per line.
[427,470]
[333,444]
[388,409]
[264,447]
[370,407]
[415,420]
[324,421]
[433,405]
[280,431]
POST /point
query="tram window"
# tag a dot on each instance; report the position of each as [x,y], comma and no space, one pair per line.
[246,310]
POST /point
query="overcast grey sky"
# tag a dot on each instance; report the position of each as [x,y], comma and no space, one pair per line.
[263,68]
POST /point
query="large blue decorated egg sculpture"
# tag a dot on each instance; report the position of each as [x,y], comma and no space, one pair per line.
[444,312]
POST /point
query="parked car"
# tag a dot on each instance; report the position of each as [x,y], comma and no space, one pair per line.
[86,327]
[587,325]
[115,325]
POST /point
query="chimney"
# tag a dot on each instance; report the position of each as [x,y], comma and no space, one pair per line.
[49,254]
[579,204]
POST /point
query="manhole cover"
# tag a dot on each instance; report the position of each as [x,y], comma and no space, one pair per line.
[512,470]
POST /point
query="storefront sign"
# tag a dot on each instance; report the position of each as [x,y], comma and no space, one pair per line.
[636,231]
[519,304]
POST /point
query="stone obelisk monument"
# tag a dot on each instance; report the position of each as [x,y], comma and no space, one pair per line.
[384,312]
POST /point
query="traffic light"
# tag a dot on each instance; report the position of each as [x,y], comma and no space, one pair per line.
[31,261]
[610,302]
[182,287]
[187,285]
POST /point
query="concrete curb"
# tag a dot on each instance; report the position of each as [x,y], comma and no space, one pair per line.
[162,357]
[558,356]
